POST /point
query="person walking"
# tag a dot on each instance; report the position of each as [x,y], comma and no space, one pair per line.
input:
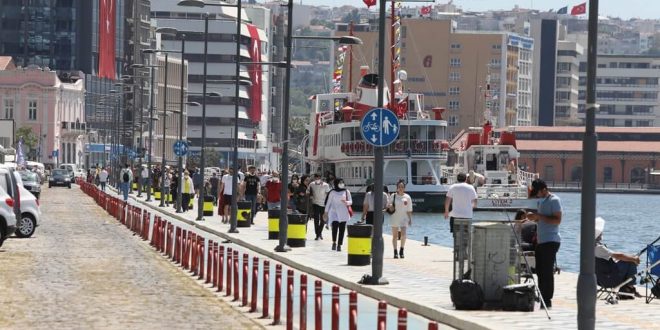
[368,204]
[337,212]
[174,187]
[548,218]
[215,183]
[401,203]
[187,190]
[103,178]
[226,188]
[251,186]
[292,188]
[126,176]
[318,190]
[273,188]
[167,182]
[144,178]
[462,198]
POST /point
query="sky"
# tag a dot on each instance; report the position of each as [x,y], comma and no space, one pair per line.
[616,8]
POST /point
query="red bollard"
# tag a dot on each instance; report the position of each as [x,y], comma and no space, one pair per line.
[229,267]
[214,264]
[246,270]
[202,256]
[278,294]
[193,256]
[237,289]
[352,310]
[177,245]
[433,325]
[170,241]
[403,319]
[185,249]
[382,315]
[221,268]
[303,302]
[289,299]
[255,286]
[318,305]
[335,307]
[266,289]
[209,262]
[154,231]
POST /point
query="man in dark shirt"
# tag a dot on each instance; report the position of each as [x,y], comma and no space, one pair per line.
[214,186]
[251,186]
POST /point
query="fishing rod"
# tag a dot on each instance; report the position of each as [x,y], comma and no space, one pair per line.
[647,246]
[538,291]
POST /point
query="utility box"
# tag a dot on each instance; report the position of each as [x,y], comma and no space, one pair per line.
[491,258]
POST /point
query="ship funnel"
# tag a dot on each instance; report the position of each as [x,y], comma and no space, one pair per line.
[368,91]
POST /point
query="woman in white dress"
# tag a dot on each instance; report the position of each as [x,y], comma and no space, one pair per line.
[336,212]
[402,216]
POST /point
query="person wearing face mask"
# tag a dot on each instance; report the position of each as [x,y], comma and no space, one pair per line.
[293,186]
[187,190]
[336,211]
[318,190]
[402,216]
[251,189]
[273,188]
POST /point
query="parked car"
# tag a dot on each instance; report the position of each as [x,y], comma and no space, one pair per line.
[70,169]
[59,177]
[29,212]
[31,182]
[7,216]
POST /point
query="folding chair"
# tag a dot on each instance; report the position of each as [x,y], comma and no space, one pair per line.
[652,272]
[609,281]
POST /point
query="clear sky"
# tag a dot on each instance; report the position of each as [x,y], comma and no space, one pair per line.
[616,8]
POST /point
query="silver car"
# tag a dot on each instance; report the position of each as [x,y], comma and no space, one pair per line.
[31,182]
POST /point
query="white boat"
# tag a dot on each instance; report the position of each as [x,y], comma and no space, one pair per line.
[504,185]
[335,145]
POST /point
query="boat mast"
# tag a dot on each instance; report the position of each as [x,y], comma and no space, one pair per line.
[350,59]
[393,52]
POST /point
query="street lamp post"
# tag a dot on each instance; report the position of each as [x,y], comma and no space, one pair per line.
[164,123]
[180,159]
[151,125]
[200,202]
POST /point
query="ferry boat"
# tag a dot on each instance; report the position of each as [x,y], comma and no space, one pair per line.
[418,156]
[502,185]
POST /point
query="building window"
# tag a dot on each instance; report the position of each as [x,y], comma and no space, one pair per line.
[452,121]
[637,175]
[549,173]
[576,174]
[607,174]
[497,47]
[32,110]
[455,62]
[454,90]
[9,109]
[453,105]
[455,46]
[495,62]
[454,76]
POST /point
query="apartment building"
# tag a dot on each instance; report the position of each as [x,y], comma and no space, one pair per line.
[628,90]
[567,83]
[470,73]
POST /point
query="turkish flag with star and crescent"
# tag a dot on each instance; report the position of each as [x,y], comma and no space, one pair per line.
[579,9]
[107,16]
[369,3]
[255,73]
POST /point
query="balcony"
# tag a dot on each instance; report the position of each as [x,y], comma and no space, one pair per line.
[437,149]
[73,127]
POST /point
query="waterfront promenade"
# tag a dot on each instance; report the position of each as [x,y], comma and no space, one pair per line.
[420,283]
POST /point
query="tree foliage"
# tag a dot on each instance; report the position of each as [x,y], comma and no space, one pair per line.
[30,139]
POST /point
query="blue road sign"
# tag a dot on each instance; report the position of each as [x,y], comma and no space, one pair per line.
[180,148]
[380,127]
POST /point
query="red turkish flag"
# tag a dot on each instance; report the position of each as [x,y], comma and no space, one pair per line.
[425,10]
[579,9]
[369,3]
[255,74]
[107,16]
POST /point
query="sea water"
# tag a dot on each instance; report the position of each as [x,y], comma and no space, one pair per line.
[631,222]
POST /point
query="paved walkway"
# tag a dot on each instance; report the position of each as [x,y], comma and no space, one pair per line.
[84,270]
[420,283]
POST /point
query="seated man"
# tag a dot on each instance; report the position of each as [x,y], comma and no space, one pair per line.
[626,264]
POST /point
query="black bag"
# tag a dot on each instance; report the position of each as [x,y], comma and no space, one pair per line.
[655,290]
[466,295]
[126,177]
[393,209]
[518,297]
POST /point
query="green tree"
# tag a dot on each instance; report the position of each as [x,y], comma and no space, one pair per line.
[30,141]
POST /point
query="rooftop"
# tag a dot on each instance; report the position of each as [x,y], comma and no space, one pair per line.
[7,63]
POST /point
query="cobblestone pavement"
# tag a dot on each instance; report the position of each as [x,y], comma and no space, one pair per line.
[83,270]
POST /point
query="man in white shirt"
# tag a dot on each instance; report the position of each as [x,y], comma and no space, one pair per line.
[318,190]
[144,178]
[103,178]
[463,198]
[227,193]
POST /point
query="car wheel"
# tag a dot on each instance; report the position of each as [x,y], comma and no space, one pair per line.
[26,226]
[69,186]
[49,185]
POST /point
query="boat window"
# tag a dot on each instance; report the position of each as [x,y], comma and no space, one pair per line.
[491,162]
[504,160]
[394,171]
[422,173]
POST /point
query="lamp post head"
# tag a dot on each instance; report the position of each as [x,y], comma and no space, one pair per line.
[349,40]
[191,3]
[167,30]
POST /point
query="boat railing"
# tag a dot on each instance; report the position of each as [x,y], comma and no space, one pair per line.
[526,178]
[401,147]
[502,191]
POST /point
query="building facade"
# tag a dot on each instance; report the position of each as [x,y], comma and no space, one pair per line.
[221,76]
[473,75]
[36,98]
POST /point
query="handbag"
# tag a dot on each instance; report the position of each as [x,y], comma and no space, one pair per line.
[350,208]
[391,210]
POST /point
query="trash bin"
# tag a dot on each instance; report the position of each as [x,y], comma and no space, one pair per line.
[156,194]
[244,215]
[135,186]
[296,230]
[274,224]
[208,205]
[359,245]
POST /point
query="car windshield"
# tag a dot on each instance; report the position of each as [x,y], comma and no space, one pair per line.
[59,172]
[29,176]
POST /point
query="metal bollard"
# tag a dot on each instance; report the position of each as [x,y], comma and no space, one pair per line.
[219,278]
[237,289]
[266,290]
[229,267]
[335,307]
[202,256]
[303,302]
[433,325]
[177,245]
[382,315]
[193,256]
[278,294]
[246,270]
[403,319]
[154,235]
[184,248]
[318,305]
[426,241]
[352,310]
[255,285]
[289,299]
[214,258]
[209,262]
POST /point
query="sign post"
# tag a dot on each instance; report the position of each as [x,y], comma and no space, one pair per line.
[180,148]
[379,127]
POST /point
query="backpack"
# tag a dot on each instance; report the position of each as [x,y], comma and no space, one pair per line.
[126,177]
[466,295]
